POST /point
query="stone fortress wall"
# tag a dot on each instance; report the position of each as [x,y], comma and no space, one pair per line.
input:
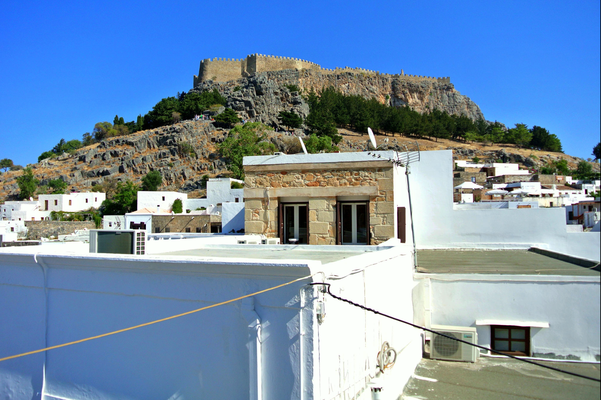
[228,69]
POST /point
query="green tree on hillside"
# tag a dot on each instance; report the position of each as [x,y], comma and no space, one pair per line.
[103,130]
[597,152]
[245,140]
[152,181]
[27,184]
[124,200]
[519,135]
[58,186]
[228,117]
[290,119]
[584,170]
[6,163]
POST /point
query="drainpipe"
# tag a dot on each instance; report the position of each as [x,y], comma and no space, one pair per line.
[411,216]
[255,364]
[44,268]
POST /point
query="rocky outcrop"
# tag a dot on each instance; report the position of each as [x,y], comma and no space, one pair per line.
[262,96]
[180,152]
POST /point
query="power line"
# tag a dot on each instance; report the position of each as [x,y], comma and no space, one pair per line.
[153,322]
[451,337]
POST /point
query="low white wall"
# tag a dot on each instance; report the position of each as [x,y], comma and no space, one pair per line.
[345,357]
[438,225]
[232,217]
[570,305]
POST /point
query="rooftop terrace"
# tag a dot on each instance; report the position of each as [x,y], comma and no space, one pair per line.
[504,262]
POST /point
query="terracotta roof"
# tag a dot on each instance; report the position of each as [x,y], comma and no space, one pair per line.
[151,211]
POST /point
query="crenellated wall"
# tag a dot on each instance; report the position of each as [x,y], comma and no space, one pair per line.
[228,69]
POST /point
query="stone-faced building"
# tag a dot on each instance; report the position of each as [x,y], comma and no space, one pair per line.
[326,199]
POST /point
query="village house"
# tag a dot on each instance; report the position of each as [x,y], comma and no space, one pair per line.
[326,199]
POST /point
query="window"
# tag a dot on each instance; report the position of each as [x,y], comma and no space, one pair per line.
[86,201]
[56,202]
[294,223]
[70,202]
[198,229]
[187,230]
[157,230]
[167,229]
[353,222]
[216,227]
[514,340]
[163,198]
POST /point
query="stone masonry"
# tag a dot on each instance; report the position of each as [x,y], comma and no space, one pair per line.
[265,187]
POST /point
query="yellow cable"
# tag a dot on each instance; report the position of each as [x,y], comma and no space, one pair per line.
[153,322]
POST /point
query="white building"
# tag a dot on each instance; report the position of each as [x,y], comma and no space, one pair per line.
[494,169]
[159,200]
[23,211]
[219,191]
[10,230]
[38,210]
[71,202]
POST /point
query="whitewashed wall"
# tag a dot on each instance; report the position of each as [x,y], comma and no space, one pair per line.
[232,217]
[266,347]
[345,356]
[437,225]
[163,200]
[71,202]
[570,305]
[113,222]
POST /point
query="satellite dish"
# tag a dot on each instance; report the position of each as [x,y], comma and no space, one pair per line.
[372,138]
[303,145]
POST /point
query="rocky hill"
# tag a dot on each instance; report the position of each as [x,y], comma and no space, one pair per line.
[261,97]
[183,153]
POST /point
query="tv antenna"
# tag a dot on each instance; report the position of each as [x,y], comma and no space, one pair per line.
[408,153]
[303,145]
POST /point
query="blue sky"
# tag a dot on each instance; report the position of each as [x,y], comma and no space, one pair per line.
[67,65]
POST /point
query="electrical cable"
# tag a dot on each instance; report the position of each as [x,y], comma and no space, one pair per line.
[449,337]
[155,321]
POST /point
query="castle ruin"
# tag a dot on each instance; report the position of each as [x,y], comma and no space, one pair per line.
[229,69]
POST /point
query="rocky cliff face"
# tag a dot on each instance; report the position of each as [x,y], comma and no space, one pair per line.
[182,153]
[261,97]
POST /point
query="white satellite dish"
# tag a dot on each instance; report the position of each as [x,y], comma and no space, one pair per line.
[372,138]
[303,145]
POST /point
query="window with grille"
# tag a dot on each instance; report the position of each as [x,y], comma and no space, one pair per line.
[514,340]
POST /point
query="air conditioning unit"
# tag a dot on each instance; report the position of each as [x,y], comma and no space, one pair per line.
[443,348]
[129,241]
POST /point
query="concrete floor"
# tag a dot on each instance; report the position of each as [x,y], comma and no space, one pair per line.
[500,378]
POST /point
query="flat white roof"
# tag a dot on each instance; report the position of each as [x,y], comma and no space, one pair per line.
[320,158]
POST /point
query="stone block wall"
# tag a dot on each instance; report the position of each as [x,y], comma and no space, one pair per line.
[228,69]
[323,188]
[179,223]
[219,69]
[51,229]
